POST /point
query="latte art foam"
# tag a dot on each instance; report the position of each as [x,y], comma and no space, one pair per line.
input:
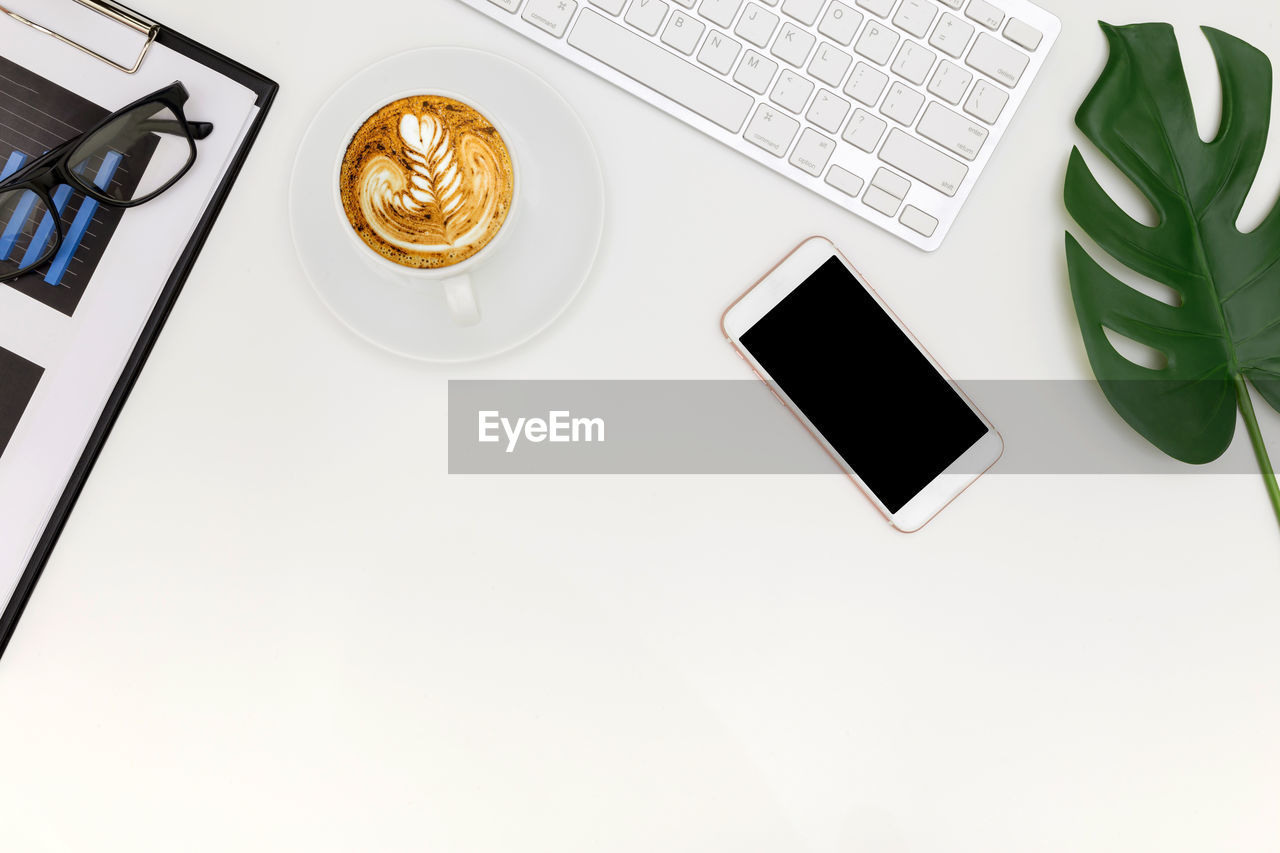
[427,181]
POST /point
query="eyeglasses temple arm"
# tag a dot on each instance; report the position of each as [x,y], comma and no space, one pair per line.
[197,129]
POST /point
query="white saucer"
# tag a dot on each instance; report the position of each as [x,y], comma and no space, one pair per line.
[533,274]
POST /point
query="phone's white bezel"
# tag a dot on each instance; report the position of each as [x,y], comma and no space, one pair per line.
[761,298]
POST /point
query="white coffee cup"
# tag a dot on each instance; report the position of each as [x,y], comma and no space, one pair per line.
[455,279]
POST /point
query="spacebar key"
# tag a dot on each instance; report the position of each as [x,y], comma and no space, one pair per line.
[646,63]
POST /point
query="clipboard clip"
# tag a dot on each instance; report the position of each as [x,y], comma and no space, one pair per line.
[112,10]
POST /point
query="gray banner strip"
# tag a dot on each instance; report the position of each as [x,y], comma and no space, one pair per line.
[718,427]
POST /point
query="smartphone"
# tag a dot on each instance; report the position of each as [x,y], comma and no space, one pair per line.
[856,378]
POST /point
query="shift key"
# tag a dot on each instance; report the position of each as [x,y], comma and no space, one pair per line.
[923,162]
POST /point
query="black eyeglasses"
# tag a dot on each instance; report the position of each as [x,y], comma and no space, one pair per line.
[127,159]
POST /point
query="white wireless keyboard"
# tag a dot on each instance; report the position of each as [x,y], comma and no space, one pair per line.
[889,108]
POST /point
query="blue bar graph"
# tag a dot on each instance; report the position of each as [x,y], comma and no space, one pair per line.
[15,161]
[45,232]
[10,235]
[43,117]
[84,216]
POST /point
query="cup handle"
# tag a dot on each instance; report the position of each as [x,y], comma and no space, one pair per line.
[462,300]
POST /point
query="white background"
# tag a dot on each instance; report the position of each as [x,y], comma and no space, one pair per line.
[275,623]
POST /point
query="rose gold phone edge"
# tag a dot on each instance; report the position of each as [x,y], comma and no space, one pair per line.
[816,436]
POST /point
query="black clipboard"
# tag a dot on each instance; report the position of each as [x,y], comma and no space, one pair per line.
[265,90]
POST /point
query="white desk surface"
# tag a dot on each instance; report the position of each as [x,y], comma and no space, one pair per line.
[275,623]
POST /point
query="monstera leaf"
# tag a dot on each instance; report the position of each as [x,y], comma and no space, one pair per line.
[1226,328]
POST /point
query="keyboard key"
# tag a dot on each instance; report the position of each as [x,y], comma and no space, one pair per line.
[923,162]
[827,111]
[952,4]
[804,11]
[756,25]
[829,64]
[918,221]
[913,62]
[915,16]
[878,199]
[683,32]
[950,82]
[952,131]
[509,5]
[840,23]
[895,185]
[688,4]
[646,15]
[719,12]
[877,7]
[792,45]
[792,91]
[660,70]
[718,52]
[877,43]
[864,130]
[845,181]
[986,102]
[866,84]
[812,152]
[755,72]
[997,59]
[902,104]
[550,16]
[1022,33]
[952,35]
[984,13]
[771,130]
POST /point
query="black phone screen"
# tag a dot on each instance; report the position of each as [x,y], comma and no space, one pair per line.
[863,384]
